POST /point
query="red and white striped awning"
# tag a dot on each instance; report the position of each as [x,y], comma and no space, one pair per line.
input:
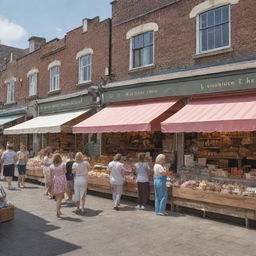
[218,114]
[127,118]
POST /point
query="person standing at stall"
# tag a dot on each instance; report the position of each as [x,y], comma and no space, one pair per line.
[8,158]
[161,192]
[59,181]
[1,152]
[22,156]
[70,176]
[142,170]
[117,179]
[80,170]
[47,161]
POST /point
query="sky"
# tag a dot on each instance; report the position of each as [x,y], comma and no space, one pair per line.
[21,19]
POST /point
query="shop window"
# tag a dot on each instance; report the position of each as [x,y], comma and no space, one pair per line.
[214,29]
[85,63]
[142,50]
[55,78]
[32,81]
[10,92]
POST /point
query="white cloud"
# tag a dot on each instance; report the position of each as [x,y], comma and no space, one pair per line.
[10,32]
[59,30]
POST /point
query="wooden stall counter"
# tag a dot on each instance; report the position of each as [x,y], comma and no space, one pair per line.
[207,201]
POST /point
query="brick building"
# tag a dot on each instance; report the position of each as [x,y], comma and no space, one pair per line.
[56,72]
[176,43]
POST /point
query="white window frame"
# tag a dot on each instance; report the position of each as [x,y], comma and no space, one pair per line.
[131,52]
[198,46]
[81,70]
[32,84]
[10,97]
[54,86]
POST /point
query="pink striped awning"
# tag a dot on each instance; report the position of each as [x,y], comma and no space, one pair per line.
[218,114]
[127,118]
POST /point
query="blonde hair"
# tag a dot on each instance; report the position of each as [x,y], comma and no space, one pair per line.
[117,157]
[57,160]
[79,157]
[159,158]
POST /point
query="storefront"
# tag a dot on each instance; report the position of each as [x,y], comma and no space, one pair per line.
[216,156]
[52,127]
[129,129]
[9,118]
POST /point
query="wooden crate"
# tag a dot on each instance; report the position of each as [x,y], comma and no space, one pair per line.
[7,213]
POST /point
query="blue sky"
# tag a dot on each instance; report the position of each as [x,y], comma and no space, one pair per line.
[21,19]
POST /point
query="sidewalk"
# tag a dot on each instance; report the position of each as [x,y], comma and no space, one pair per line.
[36,231]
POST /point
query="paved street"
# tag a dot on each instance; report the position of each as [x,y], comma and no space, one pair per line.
[35,231]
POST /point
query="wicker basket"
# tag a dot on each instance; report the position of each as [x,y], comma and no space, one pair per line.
[6,213]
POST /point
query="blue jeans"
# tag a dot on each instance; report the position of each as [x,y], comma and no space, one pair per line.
[161,194]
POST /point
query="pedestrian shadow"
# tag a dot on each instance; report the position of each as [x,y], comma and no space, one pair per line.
[68,205]
[88,213]
[71,219]
[29,187]
[27,235]
[127,208]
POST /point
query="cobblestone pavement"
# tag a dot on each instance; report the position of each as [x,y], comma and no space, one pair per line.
[36,231]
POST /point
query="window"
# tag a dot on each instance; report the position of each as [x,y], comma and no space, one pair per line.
[10,92]
[32,81]
[142,50]
[85,63]
[55,78]
[214,29]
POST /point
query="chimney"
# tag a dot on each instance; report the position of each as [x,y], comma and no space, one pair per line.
[85,25]
[36,43]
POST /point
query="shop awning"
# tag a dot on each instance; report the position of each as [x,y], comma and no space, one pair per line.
[127,118]
[46,124]
[218,114]
[7,119]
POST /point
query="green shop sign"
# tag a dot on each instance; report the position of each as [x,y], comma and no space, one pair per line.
[232,81]
[68,104]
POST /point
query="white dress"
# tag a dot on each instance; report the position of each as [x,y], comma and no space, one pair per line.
[80,179]
[46,169]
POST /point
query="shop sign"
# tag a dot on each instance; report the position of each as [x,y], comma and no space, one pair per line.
[233,81]
[68,104]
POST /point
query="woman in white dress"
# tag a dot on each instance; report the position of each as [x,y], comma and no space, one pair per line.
[80,170]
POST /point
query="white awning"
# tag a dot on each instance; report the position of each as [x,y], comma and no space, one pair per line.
[46,124]
[7,119]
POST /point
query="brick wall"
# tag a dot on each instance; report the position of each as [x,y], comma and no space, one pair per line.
[64,50]
[175,42]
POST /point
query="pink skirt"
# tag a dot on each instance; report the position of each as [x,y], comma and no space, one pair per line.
[59,184]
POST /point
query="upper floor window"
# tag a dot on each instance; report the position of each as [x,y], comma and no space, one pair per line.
[10,92]
[142,48]
[214,29]
[54,78]
[32,81]
[85,63]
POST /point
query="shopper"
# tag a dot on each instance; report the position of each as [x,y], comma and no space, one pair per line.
[59,181]
[142,170]
[80,170]
[47,161]
[161,194]
[22,156]
[8,158]
[116,169]
[70,176]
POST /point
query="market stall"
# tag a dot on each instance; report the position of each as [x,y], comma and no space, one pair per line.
[219,166]
[129,129]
